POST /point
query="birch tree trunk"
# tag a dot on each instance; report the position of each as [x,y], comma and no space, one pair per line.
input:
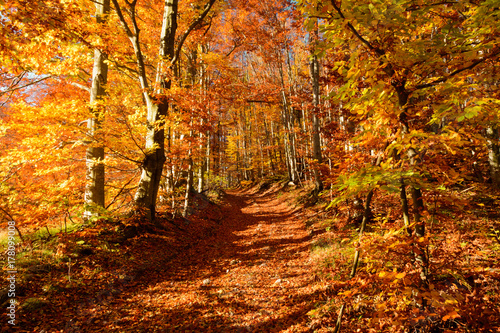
[94,189]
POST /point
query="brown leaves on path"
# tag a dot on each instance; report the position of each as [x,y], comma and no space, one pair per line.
[252,273]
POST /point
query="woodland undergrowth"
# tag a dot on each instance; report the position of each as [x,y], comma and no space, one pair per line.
[387,293]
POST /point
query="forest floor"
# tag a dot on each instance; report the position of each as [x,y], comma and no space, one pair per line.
[249,271]
[259,260]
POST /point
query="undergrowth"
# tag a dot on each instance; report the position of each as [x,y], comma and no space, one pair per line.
[389,292]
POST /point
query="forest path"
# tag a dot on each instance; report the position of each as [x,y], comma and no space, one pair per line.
[252,274]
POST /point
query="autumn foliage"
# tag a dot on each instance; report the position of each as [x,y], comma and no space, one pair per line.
[125,117]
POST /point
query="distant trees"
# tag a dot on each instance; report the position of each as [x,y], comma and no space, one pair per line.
[191,94]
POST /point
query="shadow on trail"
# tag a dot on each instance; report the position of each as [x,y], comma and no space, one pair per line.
[196,318]
[212,255]
[224,282]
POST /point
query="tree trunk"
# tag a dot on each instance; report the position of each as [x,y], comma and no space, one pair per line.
[189,180]
[152,165]
[289,141]
[157,109]
[202,169]
[318,184]
[493,154]
[208,153]
[156,102]
[416,193]
[94,189]
[404,206]
[269,144]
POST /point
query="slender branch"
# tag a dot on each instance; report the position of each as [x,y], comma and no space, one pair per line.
[452,74]
[17,79]
[260,101]
[418,7]
[92,138]
[8,90]
[121,191]
[124,156]
[208,27]
[81,86]
[134,39]
[15,226]
[83,70]
[129,129]
[193,25]
[7,213]
[133,17]
[356,33]
[124,70]
[366,216]
[13,170]
[232,50]
[122,67]
[339,319]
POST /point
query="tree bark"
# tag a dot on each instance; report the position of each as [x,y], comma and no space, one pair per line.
[189,180]
[203,166]
[157,109]
[94,189]
[416,193]
[493,154]
[404,206]
[289,141]
[318,184]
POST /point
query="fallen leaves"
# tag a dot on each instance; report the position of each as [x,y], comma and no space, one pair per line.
[231,279]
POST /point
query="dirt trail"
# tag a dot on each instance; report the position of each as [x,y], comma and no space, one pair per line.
[252,274]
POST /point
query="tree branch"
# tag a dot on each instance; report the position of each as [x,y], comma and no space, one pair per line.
[134,39]
[13,88]
[452,74]
[121,191]
[81,86]
[122,19]
[356,33]
[260,101]
[191,27]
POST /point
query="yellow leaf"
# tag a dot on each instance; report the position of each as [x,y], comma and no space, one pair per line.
[313,313]
[451,301]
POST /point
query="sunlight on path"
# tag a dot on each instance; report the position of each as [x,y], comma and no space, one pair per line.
[252,275]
